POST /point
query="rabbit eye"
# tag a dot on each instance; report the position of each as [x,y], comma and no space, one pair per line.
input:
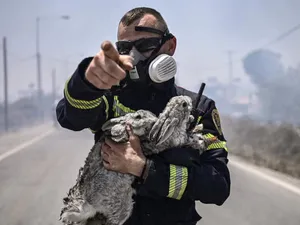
[184,104]
[138,117]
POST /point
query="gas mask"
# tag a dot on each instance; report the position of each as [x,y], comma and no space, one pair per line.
[155,69]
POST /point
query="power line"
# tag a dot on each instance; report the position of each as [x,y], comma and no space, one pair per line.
[62,60]
[17,56]
[32,57]
[283,35]
[275,40]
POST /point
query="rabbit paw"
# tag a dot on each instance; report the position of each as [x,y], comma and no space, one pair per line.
[71,217]
[80,214]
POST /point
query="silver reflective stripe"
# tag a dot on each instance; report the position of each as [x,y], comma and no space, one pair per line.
[178,181]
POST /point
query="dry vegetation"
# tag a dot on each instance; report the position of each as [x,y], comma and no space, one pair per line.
[276,146]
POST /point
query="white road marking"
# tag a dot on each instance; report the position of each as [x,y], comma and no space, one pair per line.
[25,145]
[265,176]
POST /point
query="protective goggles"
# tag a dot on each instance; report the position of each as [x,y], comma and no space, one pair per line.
[144,44]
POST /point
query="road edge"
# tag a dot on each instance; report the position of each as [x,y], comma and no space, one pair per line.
[25,144]
[256,170]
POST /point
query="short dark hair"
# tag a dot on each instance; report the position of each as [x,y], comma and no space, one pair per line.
[138,12]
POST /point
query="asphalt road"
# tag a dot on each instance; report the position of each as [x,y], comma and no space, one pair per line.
[34,180]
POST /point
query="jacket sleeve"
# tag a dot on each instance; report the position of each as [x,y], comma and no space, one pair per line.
[83,105]
[182,173]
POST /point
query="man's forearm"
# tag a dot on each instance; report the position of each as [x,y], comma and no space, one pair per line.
[83,106]
[206,179]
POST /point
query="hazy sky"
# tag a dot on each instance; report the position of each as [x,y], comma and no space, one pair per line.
[205,31]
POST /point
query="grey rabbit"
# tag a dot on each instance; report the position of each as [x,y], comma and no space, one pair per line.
[103,197]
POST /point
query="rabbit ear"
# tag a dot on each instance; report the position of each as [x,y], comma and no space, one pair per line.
[110,123]
[155,129]
[107,125]
[167,130]
[120,138]
[160,121]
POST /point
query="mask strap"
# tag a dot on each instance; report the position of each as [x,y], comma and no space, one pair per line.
[166,35]
[149,29]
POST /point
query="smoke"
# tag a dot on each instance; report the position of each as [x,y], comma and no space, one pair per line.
[277,87]
[263,66]
[24,112]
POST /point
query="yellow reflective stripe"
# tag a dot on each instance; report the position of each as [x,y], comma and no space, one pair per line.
[106,111]
[217,144]
[81,104]
[119,109]
[178,181]
[93,131]
[209,135]
[198,120]
[172,180]
[106,106]
[221,144]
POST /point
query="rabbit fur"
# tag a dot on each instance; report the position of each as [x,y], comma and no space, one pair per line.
[103,197]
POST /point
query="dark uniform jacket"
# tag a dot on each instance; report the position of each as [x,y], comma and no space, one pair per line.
[177,177]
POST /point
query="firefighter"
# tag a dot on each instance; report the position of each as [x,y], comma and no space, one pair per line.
[168,184]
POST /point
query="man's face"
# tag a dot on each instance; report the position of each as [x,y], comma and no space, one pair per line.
[128,33]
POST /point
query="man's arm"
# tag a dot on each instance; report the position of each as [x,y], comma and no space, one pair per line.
[83,105]
[180,173]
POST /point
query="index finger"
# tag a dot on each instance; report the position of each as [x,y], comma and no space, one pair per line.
[110,51]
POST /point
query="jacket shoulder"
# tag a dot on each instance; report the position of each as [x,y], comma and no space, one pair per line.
[205,102]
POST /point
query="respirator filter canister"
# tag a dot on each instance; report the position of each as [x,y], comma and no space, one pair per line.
[162,68]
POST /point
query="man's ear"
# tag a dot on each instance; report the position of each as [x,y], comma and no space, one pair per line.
[172,43]
[169,47]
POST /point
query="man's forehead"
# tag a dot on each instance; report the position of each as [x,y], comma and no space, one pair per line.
[129,33]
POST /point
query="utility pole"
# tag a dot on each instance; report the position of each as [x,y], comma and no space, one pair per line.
[6,124]
[53,114]
[230,91]
[38,64]
[230,76]
[38,67]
